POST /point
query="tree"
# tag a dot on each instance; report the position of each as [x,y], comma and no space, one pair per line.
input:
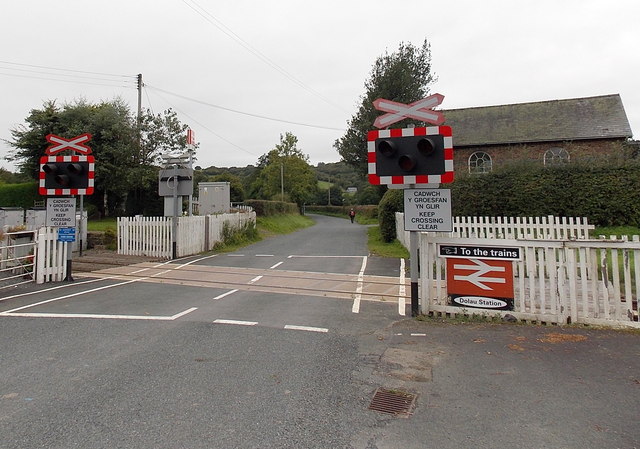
[403,76]
[235,185]
[125,152]
[285,169]
[158,134]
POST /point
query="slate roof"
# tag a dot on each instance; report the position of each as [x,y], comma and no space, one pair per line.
[601,117]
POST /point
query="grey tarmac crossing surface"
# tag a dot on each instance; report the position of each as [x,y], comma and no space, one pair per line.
[143,360]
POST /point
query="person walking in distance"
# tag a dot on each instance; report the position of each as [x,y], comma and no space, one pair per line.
[352,215]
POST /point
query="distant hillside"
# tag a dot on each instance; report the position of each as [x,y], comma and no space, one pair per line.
[337,173]
[341,174]
[241,172]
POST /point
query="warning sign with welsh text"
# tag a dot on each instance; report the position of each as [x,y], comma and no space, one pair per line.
[427,210]
[61,212]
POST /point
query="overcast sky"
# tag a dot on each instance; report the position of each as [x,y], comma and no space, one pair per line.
[305,61]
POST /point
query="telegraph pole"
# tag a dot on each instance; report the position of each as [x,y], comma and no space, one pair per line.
[139,77]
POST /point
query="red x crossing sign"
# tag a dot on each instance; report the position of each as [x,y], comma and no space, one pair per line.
[419,110]
[75,144]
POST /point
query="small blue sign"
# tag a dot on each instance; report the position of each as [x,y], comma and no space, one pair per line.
[66,234]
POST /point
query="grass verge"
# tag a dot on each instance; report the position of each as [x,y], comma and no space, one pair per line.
[380,248]
[616,230]
[103,224]
[282,224]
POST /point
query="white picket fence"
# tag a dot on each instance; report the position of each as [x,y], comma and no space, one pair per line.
[153,236]
[51,256]
[567,278]
[557,281]
[548,227]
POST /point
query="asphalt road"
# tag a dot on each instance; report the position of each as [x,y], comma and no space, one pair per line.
[262,349]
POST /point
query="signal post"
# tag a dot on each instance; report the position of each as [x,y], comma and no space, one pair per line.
[416,160]
[66,175]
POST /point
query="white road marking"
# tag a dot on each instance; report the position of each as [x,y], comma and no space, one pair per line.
[230,292]
[306,328]
[402,292]
[418,335]
[20,295]
[117,276]
[235,255]
[71,295]
[293,256]
[107,317]
[264,255]
[255,279]
[276,265]
[195,260]
[360,286]
[239,323]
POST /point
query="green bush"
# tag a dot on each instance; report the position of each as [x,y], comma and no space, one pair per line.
[19,195]
[607,195]
[266,208]
[391,202]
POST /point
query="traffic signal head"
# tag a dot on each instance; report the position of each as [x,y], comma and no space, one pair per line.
[410,156]
[66,175]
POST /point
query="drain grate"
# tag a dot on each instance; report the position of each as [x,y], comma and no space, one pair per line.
[393,402]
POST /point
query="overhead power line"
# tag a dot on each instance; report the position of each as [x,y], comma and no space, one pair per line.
[32,71]
[242,112]
[199,123]
[206,15]
[66,70]
[76,81]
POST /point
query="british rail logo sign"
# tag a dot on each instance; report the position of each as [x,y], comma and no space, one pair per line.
[480,283]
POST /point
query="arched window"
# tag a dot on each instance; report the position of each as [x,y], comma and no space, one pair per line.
[556,156]
[480,162]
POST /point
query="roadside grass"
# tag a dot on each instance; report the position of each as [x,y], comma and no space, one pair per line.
[103,224]
[380,248]
[282,224]
[265,227]
[618,231]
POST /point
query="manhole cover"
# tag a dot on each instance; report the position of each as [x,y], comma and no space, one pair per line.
[393,402]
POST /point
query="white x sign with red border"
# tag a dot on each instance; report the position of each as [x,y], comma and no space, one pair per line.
[60,144]
[419,110]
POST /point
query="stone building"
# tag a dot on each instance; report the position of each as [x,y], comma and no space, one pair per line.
[545,132]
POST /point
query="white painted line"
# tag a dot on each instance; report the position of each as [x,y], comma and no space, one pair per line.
[72,295]
[255,279]
[402,291]
[230,292]
[195,260]
[104,317]
[235,255]
[323,257]
[356,302]
[264,255]
[276,265]
[418,335]
[240,323]
[45,290]
[178,315]
[306,328]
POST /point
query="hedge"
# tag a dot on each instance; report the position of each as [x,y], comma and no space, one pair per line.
[265,208]
[608,195]
[19,195]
